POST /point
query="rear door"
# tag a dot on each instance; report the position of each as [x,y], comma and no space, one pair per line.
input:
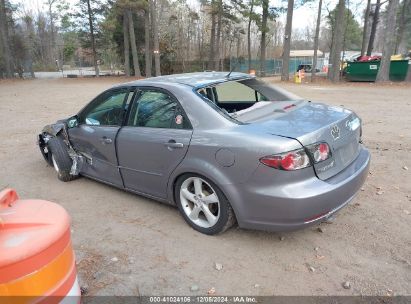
[96,133]
[153,142]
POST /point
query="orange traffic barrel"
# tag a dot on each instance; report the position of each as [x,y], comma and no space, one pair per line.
[37,262]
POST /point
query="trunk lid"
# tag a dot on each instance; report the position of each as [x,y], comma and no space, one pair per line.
[311,123]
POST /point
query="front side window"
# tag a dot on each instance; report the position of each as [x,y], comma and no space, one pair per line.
[107,110]
[157,109]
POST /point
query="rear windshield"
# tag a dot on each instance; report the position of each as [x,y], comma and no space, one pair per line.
[235,96]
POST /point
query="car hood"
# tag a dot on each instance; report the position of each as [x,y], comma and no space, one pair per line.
[311,123]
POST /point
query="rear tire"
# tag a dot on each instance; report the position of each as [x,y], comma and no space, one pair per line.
[203,205]
[60,158]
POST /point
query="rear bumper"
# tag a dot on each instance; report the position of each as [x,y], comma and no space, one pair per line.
[295,205]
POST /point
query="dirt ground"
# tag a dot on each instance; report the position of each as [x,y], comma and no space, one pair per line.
[129,245]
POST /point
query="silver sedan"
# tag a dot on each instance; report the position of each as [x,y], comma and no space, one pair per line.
[223,147]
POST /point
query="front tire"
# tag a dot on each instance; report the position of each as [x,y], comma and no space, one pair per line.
[61,159]
[203,205]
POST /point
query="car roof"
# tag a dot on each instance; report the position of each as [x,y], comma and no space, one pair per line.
[195,80]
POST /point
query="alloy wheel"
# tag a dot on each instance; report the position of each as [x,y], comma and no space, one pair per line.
[200,202]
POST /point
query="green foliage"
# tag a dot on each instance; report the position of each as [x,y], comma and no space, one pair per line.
[353,30]
[70,47]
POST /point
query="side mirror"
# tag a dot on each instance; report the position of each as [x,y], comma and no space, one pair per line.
[72,122]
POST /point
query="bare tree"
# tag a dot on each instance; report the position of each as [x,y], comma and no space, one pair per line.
[126,45]
[147,50]
[50,4]
[337,43]
[154,25]
[365,29]
[316,38]
[92,37]
[389,42]
[285,73]
[211,55]
[375,19]
[5,42]
[264,31]
[405,17]
[217,50]
[134,52]
[250,19]
[29,41]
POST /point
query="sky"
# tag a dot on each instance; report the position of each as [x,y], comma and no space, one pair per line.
[302,16]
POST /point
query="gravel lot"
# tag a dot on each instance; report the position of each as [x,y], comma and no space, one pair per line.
[129,245]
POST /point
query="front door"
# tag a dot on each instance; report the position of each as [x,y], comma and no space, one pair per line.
[153,143]
[95,136]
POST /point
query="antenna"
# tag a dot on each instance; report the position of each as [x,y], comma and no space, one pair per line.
[232,69]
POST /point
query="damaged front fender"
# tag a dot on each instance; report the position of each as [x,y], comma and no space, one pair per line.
[59,129]
[56,128]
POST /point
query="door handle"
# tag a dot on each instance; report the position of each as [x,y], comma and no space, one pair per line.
[106,140]
[172,144]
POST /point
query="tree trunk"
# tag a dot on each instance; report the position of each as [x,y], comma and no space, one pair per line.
[134,53]
[154,20]
[53,42]
[4,39]
[264,31]
[375,20]
[93,41]
[365,29]
[217,53]
[249,34]
[147,42]
[29,43]
[126,45]
[223,49]
[405,11]
[389,42]
[337,43]
[212,37]
[238,47]
[285,73]
[316,37]
[408,79]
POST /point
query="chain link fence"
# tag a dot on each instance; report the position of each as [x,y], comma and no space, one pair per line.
[271,67]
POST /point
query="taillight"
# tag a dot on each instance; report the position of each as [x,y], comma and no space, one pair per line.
[298,159]
[292,160]
[319,152]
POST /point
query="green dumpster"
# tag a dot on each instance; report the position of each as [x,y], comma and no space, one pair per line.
[367,70]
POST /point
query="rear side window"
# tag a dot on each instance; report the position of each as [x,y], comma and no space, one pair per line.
[235,92]
[238,95]
[157,109]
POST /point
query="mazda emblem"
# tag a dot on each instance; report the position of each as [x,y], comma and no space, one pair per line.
[335,132]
